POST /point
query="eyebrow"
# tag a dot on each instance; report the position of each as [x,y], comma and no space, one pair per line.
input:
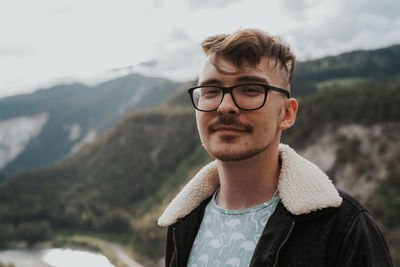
[211,82]
[238,80]
[252,79]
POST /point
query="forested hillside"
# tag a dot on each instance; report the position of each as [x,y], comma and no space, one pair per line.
[43,127]
[348,69]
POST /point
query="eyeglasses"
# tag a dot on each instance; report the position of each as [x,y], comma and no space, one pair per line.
[250,96]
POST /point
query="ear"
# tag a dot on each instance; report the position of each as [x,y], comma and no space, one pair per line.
[289,114]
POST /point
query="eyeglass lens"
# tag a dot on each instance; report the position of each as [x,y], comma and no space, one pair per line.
[245,97]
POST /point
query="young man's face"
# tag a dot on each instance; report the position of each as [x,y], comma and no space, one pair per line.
[230,133]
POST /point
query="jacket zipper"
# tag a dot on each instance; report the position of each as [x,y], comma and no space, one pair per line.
[283,243]
[175,247]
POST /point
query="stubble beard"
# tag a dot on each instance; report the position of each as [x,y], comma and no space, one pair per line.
[243,154]
[222,154]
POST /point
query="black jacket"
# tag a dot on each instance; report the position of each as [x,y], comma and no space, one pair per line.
[313,225]
[339,236]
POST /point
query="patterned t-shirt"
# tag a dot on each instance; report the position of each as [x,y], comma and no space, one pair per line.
[229,237]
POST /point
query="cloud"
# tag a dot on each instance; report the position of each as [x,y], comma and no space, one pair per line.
[16,133]
[308,9]
[158,3]
[196,4]
[17,51]
[90,137]
[345,26]
[165,35]
[178,57]
[74,131]
[334,36]
[178,34]
[65,10]
[149,64]
[384,8]
[298,9]
[181,62]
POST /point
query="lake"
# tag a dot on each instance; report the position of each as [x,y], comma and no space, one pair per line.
[53,257]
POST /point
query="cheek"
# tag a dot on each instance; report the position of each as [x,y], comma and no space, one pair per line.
[269,122]
[201,124]
[273,112]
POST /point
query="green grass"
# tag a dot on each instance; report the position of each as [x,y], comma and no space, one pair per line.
[340,82]
[6,265]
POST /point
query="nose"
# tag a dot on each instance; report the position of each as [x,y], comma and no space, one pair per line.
[227,106]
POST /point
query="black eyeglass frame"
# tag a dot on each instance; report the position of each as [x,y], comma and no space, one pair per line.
[229,90]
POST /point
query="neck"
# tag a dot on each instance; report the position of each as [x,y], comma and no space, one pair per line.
[249,182]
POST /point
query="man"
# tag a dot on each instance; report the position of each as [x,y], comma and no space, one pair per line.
[260,203]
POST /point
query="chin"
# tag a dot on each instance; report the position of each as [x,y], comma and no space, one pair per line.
[236,155]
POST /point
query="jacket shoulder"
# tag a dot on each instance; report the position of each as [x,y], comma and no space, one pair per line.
[364,244]
[350,204]
[347,213]
[339,236]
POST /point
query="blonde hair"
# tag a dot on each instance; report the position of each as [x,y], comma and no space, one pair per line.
[248,47]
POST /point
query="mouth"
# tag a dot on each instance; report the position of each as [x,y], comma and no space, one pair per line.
[228,130]
[229,126]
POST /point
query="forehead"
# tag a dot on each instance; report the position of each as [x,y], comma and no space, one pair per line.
[225,73]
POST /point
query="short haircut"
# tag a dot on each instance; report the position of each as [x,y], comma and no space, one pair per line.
[249,46]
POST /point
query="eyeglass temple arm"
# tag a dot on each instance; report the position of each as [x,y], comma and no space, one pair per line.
[286,92]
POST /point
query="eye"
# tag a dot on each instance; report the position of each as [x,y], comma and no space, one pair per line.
[250,90]
[210,92]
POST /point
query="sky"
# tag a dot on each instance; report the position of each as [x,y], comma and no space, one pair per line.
[49,42]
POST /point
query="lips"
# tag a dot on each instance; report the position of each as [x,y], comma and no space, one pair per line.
[228,126]
[227,129]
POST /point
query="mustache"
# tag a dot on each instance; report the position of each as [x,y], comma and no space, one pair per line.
[231,122]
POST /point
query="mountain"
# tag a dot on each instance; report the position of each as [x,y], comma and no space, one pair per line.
[43,127]
[347,69]
[119,184]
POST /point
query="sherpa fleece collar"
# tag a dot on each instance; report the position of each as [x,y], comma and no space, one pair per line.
[302,186]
